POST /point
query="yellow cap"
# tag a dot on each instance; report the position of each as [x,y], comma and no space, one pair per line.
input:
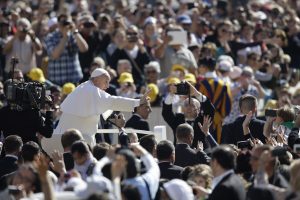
[36,74]
[178,67]
[271,104]
[125,77]
[190,78]
[68,88]
[173,80]
[154,91]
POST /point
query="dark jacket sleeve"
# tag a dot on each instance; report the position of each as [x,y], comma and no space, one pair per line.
[227,136]
[202,157]
[46,126]
[169,116]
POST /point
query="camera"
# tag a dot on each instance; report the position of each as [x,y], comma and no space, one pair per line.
[31,95]
[24,30]
[88,25]
[183,88]
[270,112]
[244,144]
[66,22]
[132,38]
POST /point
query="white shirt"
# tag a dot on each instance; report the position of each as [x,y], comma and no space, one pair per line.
[217,179]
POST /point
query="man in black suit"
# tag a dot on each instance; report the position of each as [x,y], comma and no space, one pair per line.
[139,118]
[165,153]
[67,139]
[193,111]
[226,184]
[12,147]
[246,126]
[184,154]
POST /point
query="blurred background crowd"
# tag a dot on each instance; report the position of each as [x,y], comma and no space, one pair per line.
[223,74]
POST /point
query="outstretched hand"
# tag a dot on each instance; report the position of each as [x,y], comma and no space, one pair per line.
[207,121]
[144,99]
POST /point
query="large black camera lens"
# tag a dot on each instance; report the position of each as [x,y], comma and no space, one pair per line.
[66,22]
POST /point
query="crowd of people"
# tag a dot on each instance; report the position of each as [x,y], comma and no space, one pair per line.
[223,73]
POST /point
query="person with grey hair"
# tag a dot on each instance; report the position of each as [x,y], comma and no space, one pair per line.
[23,45]
[184,154]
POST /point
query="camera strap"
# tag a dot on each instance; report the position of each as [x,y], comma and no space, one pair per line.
[135,65]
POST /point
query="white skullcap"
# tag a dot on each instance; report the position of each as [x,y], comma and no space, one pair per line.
[98,72]
[178,189]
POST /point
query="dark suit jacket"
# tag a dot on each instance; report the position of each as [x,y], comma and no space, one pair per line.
[169,171]
[230,187]
[8,165]
[186,156]
[137,122]
[233,132]
[25,123]
[175,119]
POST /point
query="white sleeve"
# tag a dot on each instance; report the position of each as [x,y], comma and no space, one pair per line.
[169,99]
[153,173]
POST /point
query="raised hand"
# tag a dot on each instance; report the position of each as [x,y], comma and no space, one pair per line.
[144,99]
[58,164]
[207,122]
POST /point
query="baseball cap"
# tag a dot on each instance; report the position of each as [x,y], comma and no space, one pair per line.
[184,19]
[225,66]
[36,74]
[125,77]
[68,88]
[190,78]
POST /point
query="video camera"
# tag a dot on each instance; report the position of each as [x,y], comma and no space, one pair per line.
[25,95]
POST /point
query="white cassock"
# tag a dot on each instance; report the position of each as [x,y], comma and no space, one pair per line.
[82,108]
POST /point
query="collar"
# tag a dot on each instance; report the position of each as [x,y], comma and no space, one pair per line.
[211,74]
[12,156]
[219,178]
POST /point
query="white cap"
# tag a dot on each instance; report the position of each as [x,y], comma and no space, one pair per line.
[94,184]
[153,64]
[52,22]
[226,57]
[235,73]
[225,65]
[178,189]
[98,72]
[150,20]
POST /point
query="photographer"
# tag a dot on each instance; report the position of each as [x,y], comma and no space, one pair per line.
[26,123]
[193,111]
[62,47]
[24,45]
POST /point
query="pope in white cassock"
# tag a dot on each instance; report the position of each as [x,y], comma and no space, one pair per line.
[82,108]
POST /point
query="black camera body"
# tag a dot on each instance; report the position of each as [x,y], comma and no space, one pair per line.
[66,22]
[244,144]
[31,95]
[183,88]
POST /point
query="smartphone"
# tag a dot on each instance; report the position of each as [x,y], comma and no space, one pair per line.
[296,148]
[271,112]
[244,144]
